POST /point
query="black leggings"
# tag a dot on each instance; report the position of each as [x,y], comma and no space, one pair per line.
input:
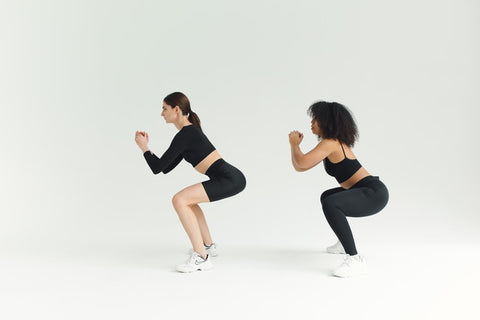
[225,181]
[366,197]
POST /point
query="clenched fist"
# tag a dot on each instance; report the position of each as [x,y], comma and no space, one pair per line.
[295,137]
[141,138]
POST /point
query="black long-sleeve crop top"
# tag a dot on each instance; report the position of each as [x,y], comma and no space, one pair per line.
[190,143]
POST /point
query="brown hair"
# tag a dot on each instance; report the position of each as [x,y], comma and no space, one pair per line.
[181,100]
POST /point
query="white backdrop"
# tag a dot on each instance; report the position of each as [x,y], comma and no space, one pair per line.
[77,78]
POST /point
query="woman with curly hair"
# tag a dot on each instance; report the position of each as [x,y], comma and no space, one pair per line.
[359,194]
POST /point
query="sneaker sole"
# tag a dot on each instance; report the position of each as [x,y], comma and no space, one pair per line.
[350,276]
[335,252]
[206,268]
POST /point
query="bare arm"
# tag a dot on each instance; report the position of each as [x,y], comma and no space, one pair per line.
[296,152]
[305,161]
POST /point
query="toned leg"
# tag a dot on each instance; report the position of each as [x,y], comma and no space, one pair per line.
[358,202]
[183,203]
[202,223]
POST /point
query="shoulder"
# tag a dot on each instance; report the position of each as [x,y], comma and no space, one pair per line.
[194,131]
[187,133]
[324,148]
[327,144]
[181,136]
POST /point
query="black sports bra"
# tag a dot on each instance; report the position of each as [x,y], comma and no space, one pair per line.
[344,169]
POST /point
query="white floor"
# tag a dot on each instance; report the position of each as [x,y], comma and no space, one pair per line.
[249,282]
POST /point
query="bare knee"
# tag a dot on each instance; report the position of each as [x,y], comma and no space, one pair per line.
[179,201]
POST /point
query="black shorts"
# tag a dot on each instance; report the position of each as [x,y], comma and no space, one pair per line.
[225,181]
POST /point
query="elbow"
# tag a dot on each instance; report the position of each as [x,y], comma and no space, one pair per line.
[305,164]
[297,167]
[165,171]
[300,166]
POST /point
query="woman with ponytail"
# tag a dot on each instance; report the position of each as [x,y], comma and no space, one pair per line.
[191,144]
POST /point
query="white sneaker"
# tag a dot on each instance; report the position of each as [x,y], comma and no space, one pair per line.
[336,248]
[211,250]
[352,266]
[195,263]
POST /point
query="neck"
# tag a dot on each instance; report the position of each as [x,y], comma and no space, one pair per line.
[182,122]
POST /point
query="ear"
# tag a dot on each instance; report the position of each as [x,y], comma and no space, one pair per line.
[177,109]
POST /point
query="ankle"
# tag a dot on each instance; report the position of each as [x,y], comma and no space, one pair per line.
[202,253]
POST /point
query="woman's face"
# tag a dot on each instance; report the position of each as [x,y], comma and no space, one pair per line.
[168,113]
[315,128]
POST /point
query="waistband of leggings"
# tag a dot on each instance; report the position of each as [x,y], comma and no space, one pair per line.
[214,166]
[366,181]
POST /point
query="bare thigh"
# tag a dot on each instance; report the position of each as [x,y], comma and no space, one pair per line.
[191,195]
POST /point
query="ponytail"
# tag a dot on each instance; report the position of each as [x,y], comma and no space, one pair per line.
[194,119]
[180,100]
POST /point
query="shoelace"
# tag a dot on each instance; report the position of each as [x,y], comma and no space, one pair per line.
[348,261]
[192,258]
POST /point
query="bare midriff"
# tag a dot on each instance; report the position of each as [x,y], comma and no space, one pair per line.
[357,176]
[203,166]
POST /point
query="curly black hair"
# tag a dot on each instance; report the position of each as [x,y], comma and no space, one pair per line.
[335,122]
